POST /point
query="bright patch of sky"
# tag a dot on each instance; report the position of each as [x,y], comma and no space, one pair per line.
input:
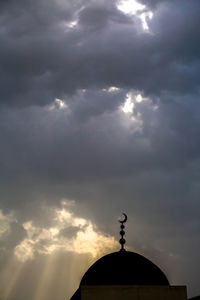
[131,99]
[130,6]
[71,24]
[145,17]
[139,98]
[133,7]
[57,104]
[133,118]
[112,89]
[67,232]
[128,105]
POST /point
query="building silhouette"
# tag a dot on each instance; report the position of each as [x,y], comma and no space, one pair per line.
[126,275]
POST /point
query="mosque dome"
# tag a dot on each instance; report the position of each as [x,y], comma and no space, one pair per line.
[124,268]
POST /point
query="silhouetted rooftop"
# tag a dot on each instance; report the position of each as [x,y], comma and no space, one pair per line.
[124,268]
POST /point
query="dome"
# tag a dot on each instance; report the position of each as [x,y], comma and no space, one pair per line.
[77,295]
[124,268]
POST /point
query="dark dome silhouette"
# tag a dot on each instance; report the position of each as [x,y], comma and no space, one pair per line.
[124,268]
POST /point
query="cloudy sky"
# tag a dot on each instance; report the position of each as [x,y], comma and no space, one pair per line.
[99,114]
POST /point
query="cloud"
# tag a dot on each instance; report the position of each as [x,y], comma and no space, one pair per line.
[30,250]
[42,60]
[100,111]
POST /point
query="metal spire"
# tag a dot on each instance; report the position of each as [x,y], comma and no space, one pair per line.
[122,241]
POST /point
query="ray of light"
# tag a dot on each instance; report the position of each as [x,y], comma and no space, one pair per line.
[45,277]
[9,277]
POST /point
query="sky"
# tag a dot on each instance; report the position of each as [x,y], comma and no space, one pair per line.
[99,115]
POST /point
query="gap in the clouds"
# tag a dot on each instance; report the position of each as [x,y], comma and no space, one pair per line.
[57,104]
[130,6]
[130,107]
[135,8]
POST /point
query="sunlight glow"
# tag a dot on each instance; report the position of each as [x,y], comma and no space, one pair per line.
[72,24]
[24,250]
[10,276]
[66,237]
[45,279]
[61,104]
[112,89]
[130,6]
[131,108]
[128,105]
[83,237]
[57,104]
[54,231]
[90,241]
[139,98]
[144,18]
[132,98]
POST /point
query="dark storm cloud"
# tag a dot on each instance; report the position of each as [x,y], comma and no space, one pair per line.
[59,153]
[47,141]
[42,59]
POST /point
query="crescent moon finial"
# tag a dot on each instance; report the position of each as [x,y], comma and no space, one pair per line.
[122,241]
[124,220]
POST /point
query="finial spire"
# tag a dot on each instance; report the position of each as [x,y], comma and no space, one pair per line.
[122,241]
